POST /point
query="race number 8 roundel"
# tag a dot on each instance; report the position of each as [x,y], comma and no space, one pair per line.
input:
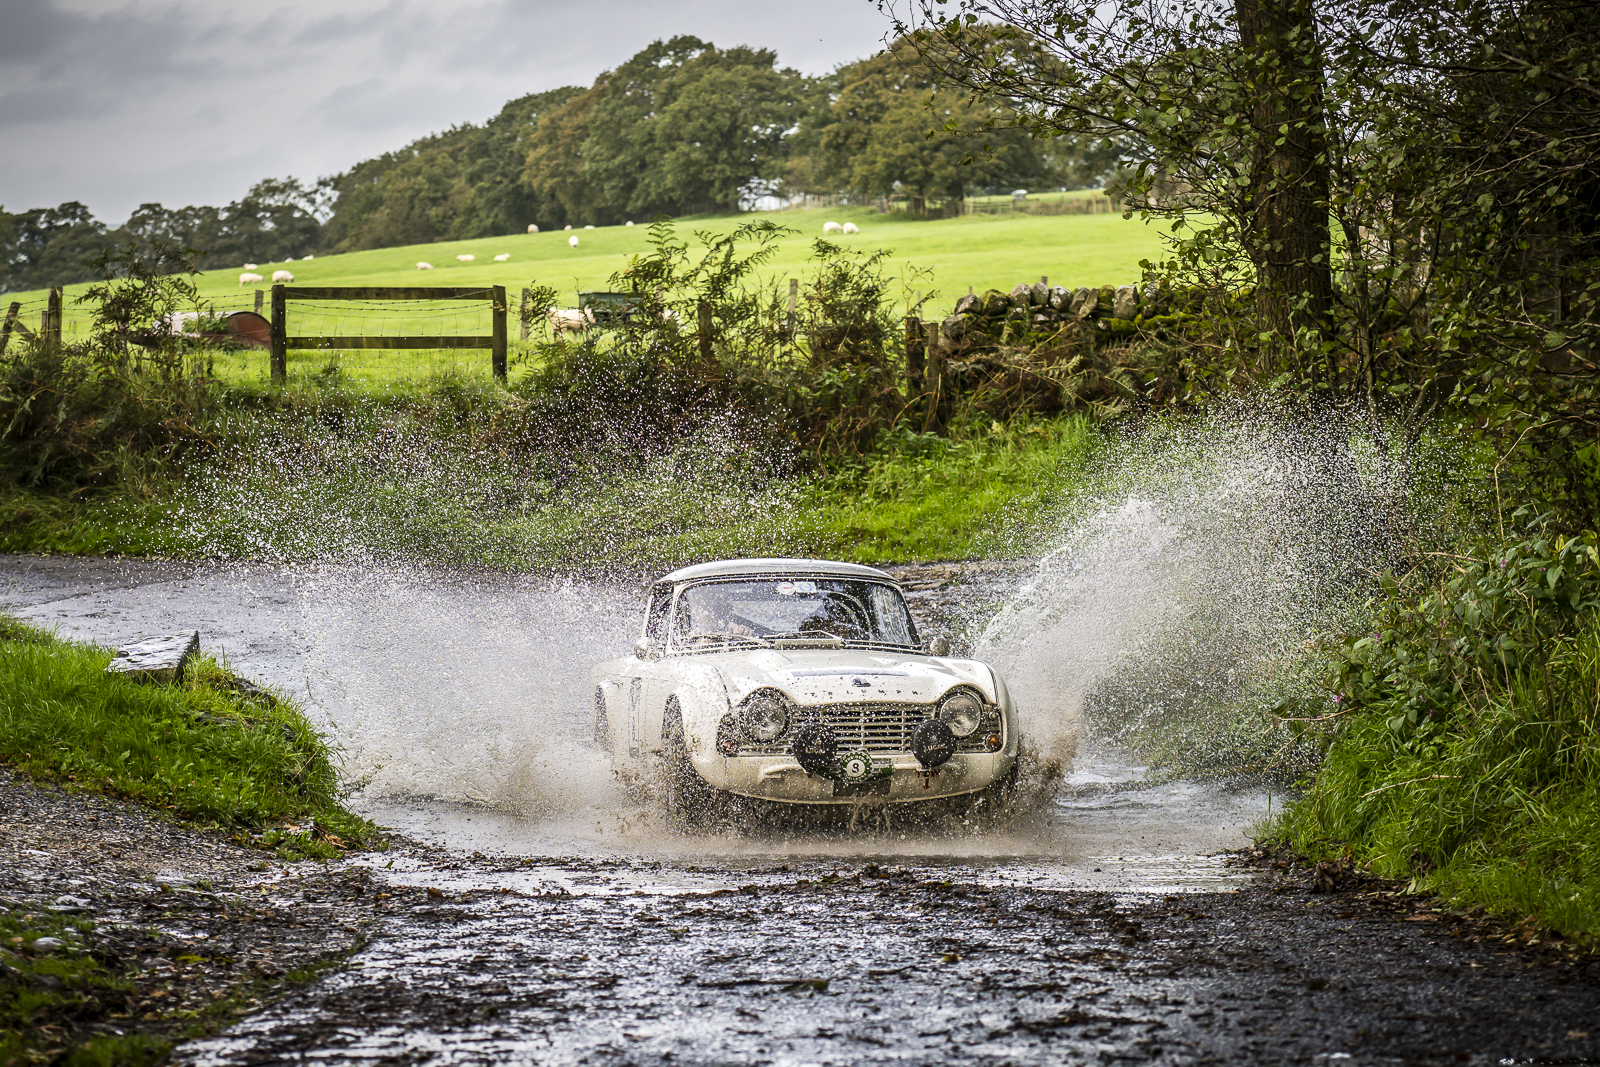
[855,766]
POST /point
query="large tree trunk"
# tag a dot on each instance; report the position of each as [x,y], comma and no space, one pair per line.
[1286,214]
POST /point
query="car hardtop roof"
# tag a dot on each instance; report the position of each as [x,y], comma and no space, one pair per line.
[733,568]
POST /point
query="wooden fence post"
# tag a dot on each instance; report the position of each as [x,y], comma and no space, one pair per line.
[915,352]
[11,321]
[280,334]
[499,332]
[52,325]
[935,388]
[703,315]
[527,298]
[260,293]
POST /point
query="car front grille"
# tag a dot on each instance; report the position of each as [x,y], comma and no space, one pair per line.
[879,729]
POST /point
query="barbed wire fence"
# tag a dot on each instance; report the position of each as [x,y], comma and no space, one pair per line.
[356,318]
[427,320]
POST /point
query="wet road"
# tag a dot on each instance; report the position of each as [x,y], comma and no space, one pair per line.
[565,926]
[798,964]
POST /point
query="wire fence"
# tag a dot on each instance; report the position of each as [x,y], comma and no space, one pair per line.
[372,321]
[380,318]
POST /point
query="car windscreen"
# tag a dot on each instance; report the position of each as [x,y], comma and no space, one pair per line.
[852,609]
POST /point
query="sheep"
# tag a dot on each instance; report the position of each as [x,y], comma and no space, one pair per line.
[589,227]
[832,227]
[572,242]
[851,227]
[628,223]
[281,276]
[502,257]
[288,259]
[568,226]
[249,266]
[465,259]
[568,320]
[247,278]
[424,266]
[308,256]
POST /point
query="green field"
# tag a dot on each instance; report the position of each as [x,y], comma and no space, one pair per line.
[946,256]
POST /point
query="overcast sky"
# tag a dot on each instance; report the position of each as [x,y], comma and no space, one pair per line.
[191,101]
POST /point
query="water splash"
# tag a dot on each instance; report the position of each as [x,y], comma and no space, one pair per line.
[374,486]
[465,686]
[1193,581]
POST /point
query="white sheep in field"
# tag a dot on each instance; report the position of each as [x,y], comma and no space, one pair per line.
[502,257]
[568,226]
[249,266]
[281,276]
[533,227]
[588,227]
[308,257]
[465,259]
[572,242]
[424,266]
[288,259]
[250,279]
[568,320]
[628,223]
[832,227]
[851,227]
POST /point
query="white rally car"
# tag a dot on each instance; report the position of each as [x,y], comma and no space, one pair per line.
[803,682]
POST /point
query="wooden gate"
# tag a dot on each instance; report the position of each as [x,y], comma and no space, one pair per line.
[282,341]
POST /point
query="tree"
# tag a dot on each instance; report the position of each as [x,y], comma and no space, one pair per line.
[554,169]
[492,162]
[681,127]
[890,128]
[275,220]
[49,246]
[464,182]
[1406,190]
[1222,101]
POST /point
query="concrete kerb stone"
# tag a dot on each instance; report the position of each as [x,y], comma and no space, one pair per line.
[156,659]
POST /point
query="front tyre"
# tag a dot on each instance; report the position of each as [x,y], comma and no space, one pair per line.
[995,806]
[688,798]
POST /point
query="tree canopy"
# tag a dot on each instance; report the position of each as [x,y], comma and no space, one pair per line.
[1405,194]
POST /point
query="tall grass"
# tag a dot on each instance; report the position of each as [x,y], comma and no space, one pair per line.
[207,751]
[1468,760]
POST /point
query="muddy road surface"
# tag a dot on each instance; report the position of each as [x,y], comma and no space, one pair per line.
[528,914]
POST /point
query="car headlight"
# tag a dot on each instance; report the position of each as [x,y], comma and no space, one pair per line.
[764,716]
[962,712]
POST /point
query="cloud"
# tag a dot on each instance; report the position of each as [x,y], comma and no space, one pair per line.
[190,101]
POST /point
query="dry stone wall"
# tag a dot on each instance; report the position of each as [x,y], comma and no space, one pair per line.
[1109,312]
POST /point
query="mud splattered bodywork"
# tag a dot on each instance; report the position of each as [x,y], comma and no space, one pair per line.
[799,681]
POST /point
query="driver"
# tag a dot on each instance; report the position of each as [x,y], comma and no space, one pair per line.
[714,613]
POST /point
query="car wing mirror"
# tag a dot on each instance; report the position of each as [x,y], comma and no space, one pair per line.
[643,648]
[938,646]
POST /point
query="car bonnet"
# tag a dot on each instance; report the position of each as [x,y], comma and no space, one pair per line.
[834,676]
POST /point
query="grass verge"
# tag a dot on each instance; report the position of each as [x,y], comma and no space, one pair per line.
[1468,761]
[48,975]
[213,751]
[977,493]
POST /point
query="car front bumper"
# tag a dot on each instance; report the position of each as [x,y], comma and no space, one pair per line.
[780,778]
